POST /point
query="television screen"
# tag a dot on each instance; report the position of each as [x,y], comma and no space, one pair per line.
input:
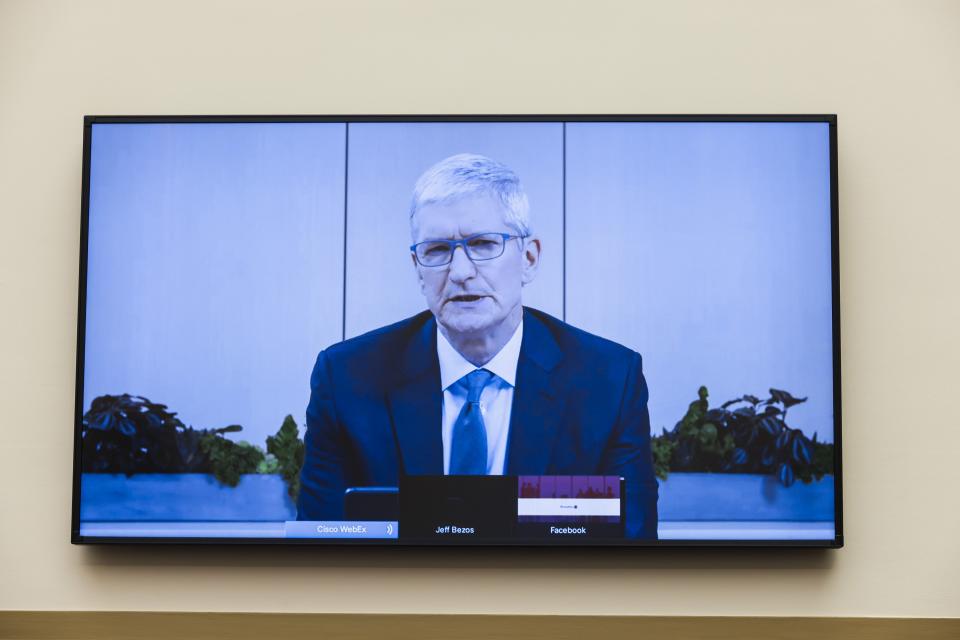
[511,330]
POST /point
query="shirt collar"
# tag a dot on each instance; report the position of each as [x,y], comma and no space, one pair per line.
[454,366]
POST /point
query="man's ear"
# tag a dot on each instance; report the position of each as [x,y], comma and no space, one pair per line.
[531,259]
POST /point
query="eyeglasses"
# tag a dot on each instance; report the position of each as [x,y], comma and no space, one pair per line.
[479,246]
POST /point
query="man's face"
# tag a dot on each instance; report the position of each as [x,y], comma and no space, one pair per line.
[466,296]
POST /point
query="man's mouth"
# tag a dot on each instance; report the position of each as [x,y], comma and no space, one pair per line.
[466,297]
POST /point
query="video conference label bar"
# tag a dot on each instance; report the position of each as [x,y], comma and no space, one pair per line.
[342,529]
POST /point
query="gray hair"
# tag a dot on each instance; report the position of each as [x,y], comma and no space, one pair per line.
[470,174]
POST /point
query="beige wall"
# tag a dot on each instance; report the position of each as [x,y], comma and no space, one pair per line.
[891,70]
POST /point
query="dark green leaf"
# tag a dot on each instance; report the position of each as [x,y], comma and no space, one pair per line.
[783,438]
[767,457]
[801,450]
[771,425]
[233,428]
[785,398]
[785,474]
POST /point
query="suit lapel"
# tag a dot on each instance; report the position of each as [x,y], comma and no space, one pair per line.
[415,405]
[537,406]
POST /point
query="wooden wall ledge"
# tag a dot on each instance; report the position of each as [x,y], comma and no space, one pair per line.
[76,625]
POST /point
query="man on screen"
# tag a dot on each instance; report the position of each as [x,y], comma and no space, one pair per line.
[478,383]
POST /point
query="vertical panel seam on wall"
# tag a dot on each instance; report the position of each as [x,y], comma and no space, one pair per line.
[563,234]
[346,182]
[563,182]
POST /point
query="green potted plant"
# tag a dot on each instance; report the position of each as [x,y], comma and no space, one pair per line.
[141,462]
[742,461]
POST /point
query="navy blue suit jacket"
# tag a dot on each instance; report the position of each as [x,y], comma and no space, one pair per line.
[579,408]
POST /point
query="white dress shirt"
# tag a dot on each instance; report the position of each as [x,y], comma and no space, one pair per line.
[496,400]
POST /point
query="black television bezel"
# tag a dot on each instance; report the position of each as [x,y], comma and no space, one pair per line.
[829,119]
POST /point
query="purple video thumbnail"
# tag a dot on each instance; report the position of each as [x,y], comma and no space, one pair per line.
[568,499]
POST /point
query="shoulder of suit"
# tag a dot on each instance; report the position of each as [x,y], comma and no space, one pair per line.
[570,338]
[381,340]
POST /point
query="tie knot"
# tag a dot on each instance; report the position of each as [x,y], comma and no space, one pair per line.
[476,381]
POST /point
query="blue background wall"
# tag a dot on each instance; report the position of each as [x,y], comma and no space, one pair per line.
[706,247]
[217,268]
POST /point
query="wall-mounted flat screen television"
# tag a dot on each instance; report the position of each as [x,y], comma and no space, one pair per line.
[452,330]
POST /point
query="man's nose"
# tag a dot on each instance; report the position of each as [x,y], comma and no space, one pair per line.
[461,267]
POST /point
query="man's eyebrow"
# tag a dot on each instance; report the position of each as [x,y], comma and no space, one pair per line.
[474,233]
[449,237]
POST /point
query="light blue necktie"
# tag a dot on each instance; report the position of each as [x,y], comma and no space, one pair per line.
[468,451]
